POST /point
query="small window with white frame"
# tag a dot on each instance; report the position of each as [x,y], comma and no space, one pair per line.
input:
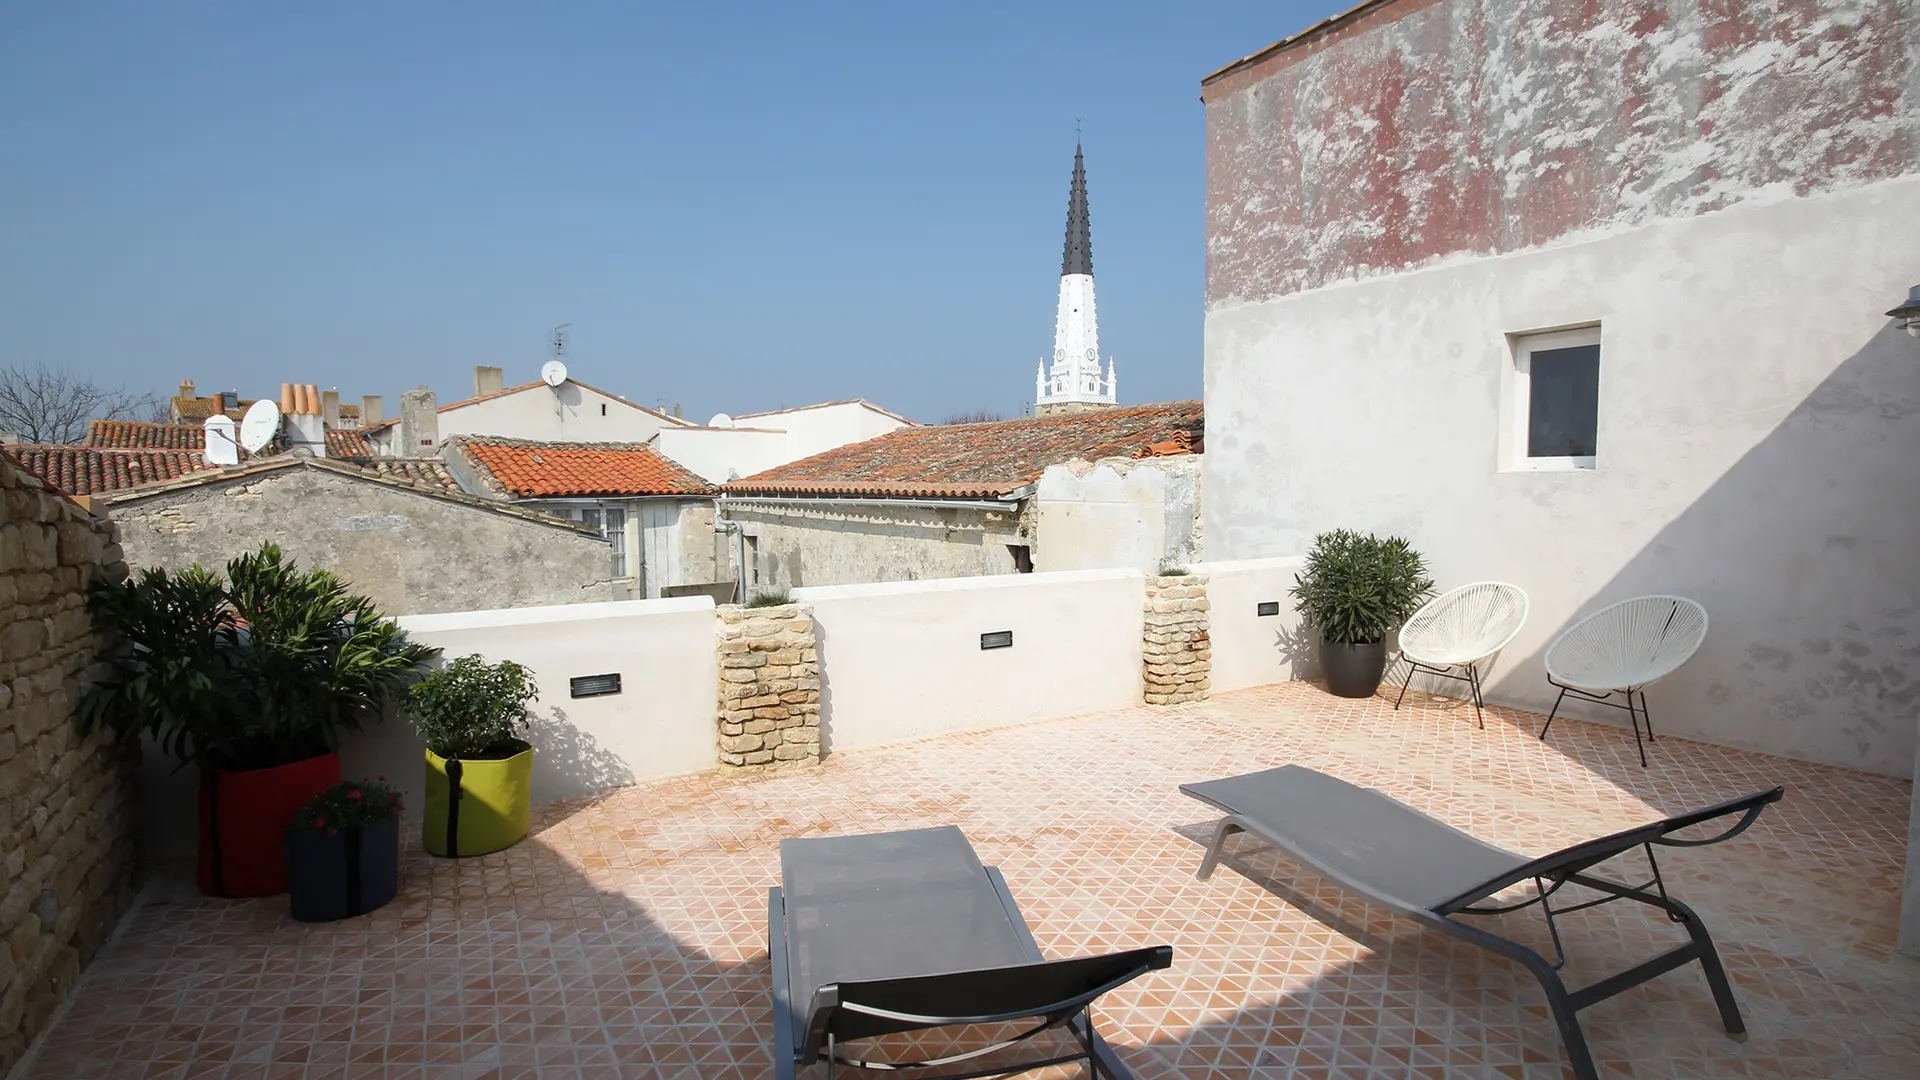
[1552,405]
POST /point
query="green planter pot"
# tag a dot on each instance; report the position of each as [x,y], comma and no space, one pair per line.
[475,806]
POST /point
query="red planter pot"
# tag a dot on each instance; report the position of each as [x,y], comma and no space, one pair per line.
[243,824]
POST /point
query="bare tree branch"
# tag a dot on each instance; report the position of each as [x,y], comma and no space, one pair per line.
[53,405]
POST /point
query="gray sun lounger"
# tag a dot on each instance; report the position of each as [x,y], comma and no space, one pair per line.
[903,931]
[1429,871]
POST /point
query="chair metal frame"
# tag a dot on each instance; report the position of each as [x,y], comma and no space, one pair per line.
[1472,667]
[1636,714]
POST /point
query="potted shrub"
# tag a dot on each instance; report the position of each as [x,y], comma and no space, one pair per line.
[1355,590]
[343,852]
[479,770]
[252,680]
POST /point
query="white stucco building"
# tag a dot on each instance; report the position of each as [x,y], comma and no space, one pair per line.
[1600,335]
[727,448]
[569,412]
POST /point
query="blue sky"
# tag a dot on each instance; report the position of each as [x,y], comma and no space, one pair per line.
[738,207]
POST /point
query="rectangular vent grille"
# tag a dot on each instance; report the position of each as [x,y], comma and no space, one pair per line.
[997,639]
[1268,607]
[595,685]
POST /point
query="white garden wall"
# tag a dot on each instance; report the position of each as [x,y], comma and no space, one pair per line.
[902,660]
[1250,649]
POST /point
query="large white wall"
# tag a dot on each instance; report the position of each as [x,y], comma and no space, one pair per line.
[569,412]
[767,440]
[1759,450]
[902,660]
[815,429]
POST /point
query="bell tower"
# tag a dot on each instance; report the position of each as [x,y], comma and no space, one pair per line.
[1074,382]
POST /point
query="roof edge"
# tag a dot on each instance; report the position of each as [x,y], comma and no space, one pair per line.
[1331,22]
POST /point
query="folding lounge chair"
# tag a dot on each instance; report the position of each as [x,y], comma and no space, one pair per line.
[903,931]
[1427,870]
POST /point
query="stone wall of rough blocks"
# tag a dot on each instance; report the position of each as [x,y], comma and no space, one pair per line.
[67,812]
[769,705]
[1176,650]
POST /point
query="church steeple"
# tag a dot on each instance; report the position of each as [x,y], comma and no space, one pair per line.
[1078,258]
[1075,382]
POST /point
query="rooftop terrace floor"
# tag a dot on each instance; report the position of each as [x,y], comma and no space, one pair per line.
[626,936]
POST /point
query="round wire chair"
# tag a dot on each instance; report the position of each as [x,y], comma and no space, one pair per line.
[1458,629]
[1625,648]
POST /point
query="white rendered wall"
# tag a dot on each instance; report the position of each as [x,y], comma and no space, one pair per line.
[903,660]
[718,455]
[1250,649]
[1759,450]
[1140,514]
[819,428]
[567,413]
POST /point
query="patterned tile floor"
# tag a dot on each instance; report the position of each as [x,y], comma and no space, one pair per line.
[626,937]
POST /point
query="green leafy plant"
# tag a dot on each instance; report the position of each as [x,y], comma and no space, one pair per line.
[473,709]
[269,667]
[770,598]
[347,805]
[1355,588]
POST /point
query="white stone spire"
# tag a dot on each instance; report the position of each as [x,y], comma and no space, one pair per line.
[1075,381]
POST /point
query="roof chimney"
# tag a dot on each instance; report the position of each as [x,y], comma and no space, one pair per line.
[676,411]
[372,410]
[330,408]
[419,424]
[487,380]
[306,429]
[186,388]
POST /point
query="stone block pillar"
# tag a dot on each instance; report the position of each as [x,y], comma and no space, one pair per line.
[769,687]
[1177,651]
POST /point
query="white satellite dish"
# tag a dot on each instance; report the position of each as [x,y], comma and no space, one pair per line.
[259,426]
[222,447]
[720,419]
[553,373]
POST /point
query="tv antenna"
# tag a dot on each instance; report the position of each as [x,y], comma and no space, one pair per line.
[560,341]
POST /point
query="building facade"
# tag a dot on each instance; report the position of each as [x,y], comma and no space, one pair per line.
[1589,299]
[968,500]
[408,538]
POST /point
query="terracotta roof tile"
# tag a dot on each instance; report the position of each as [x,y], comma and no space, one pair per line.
[90,470]
[137,435]
[982,460]
[429,473]
[528,469]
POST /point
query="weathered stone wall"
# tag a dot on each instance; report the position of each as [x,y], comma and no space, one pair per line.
[769,687]
[414,553]
[849,544]
[1176,650]
[68,859]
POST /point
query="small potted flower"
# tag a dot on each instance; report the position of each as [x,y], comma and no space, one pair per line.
[470,715]
[343,851]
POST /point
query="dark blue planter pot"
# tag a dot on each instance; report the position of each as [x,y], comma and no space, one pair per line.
[340,876]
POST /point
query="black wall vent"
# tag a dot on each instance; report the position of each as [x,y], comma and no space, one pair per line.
[997,639]
[594,685]
[1268,607]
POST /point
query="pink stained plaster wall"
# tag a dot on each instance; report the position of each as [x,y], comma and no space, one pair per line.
[1423,129]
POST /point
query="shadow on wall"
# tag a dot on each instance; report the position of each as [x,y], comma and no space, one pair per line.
[1819,614]
[567,758]
[822,651]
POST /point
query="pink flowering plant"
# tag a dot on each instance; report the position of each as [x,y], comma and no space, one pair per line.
[349,805]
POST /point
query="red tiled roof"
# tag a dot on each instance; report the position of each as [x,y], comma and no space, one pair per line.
[199,408]
[348,444]
[137,435]
[528,469]
[91,470]
[430,473]
[980,460]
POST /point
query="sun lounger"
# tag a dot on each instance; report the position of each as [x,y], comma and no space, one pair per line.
[903,931]
[1427,870]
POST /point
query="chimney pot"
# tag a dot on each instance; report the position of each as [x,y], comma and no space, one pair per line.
[419,424]
[487,380]
[286,399]
[186,388]
[372,410]
[330,408]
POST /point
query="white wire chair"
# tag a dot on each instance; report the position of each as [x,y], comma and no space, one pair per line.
[1458,629]
[1623,649]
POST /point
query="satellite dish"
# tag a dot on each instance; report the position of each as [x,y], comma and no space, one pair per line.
[222,447]
[259,426]
[720,419]
[553,373]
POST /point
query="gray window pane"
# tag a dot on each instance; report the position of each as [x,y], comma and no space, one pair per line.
[1563,408]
